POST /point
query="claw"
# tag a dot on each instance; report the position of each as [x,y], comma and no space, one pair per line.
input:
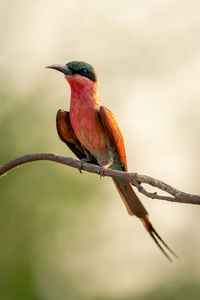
[101,172]
[81,164]
[88,158]
[80,168]
[105,167]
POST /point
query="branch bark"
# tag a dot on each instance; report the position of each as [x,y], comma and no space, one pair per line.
[134,178]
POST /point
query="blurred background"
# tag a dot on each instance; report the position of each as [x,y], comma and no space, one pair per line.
[68,236]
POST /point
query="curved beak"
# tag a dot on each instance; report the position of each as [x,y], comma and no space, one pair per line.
[62,68]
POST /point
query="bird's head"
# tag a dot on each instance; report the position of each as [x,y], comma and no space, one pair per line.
[77,73]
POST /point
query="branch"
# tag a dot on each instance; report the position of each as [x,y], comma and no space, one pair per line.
[134,178]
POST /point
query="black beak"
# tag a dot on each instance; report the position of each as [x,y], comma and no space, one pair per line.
[62,68]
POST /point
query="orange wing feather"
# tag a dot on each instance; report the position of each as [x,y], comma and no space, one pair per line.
[111,126]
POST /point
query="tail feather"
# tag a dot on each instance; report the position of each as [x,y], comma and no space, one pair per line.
[157,238]
[132,202]
[135,207]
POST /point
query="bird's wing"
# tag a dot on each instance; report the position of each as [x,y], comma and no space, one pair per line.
[111,126]
[67,134]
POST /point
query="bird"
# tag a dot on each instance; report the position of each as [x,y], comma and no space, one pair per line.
[92,133]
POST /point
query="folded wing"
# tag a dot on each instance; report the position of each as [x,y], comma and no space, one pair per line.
[67,135]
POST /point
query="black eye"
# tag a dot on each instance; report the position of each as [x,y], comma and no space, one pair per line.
[84,71]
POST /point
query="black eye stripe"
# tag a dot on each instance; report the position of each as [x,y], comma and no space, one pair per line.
[83,72]
[88,74]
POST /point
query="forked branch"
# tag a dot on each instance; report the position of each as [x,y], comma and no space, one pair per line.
[134,178]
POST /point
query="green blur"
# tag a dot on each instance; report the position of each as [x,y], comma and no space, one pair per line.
[50,217]
[34,197]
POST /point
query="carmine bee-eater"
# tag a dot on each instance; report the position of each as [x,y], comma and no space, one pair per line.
[92,133]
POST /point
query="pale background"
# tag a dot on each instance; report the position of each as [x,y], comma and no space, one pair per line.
[68,236]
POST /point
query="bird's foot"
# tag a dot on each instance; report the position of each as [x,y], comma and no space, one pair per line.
[88,158]
[105,167]
[82,161]
[101,172]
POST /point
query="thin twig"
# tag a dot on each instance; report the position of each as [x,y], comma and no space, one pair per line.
[134,178]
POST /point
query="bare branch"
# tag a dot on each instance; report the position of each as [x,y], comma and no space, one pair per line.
[134,178]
